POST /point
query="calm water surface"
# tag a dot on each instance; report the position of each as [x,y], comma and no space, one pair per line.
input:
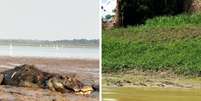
[151,94]
[75,52]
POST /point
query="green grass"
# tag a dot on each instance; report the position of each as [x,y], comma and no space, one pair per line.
[167,21]
[163,43]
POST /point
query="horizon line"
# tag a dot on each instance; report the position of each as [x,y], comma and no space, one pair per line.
[52,40]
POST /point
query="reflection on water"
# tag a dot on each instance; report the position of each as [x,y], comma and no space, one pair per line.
[151,94]
[80,53]
[109,99]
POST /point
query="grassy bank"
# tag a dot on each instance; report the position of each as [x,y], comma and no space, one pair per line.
[163,43]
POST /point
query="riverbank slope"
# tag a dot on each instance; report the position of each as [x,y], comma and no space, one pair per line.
[168,45]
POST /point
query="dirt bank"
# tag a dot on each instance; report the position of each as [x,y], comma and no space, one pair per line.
[162,79]
[85,70]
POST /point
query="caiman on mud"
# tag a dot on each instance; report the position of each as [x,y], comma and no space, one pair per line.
[29,76]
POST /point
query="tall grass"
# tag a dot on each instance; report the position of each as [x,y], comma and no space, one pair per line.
[167,21]
[163,43]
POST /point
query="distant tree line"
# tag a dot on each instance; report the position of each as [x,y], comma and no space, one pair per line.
[57,43]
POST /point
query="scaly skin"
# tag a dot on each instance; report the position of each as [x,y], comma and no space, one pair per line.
[66,84]
[29,76]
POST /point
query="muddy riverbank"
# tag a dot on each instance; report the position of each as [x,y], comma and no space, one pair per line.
[150,86]
[162,79]
[85,70]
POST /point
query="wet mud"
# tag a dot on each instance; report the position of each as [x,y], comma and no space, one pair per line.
[84,70]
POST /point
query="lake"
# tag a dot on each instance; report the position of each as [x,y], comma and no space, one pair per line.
[151,94]
[54,52]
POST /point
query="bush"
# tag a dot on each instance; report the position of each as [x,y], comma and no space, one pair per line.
[137,11]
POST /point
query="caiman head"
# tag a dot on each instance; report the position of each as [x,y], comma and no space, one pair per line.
[62,83]
[85,90]
[77,86]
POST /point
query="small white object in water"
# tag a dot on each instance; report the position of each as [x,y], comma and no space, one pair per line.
[109,99]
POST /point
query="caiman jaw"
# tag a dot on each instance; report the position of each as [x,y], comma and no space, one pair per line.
[86,90]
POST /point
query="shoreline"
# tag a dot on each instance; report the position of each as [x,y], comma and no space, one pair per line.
[51,57]
[58,58]
[140,79]
[84,68]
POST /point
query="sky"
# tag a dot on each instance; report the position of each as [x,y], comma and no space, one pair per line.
[108,7]
[49,19]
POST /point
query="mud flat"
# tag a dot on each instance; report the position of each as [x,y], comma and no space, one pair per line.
[162,79]
[85,70]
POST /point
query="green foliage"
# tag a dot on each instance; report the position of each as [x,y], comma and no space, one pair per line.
[175,44]
[174,20]
[137,11]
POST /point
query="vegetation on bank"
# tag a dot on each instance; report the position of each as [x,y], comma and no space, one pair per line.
[52,43]
[162,43]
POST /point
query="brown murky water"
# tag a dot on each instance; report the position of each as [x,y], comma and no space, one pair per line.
[151,94]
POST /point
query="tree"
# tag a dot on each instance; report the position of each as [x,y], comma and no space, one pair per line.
[134,12]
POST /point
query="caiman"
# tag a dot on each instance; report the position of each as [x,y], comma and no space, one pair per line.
[29,76]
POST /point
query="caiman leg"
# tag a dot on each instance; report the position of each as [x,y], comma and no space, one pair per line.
[55,85]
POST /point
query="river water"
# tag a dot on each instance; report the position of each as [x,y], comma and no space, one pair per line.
[55,52]
[151,94]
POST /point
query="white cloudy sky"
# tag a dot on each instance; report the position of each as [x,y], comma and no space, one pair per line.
[109,6]
[49,19]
